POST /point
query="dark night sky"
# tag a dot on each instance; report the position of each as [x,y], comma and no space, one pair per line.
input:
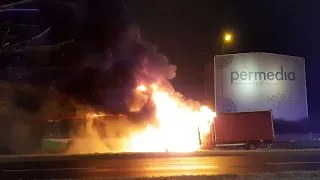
[188,32]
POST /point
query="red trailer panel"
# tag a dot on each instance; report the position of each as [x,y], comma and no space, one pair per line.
[242,127]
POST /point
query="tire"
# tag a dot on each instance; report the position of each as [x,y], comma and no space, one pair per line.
[251,146]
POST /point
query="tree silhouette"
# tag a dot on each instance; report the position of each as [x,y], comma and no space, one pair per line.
[56,47]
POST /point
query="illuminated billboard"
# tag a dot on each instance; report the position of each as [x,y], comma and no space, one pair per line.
[261,81]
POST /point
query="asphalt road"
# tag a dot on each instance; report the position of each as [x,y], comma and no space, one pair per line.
[159,165]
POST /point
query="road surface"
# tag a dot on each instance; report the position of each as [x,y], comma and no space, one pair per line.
[163,165]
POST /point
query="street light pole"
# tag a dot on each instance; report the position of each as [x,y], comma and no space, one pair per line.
[227,38]
[222,48]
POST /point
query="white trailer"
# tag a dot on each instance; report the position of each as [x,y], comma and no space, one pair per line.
[258,82]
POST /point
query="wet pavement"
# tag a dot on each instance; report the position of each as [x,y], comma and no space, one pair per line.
[160,165]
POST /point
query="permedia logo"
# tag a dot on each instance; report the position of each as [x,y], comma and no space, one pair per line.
[279,75]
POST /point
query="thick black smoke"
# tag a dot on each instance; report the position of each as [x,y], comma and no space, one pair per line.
[142,56]
[131,62]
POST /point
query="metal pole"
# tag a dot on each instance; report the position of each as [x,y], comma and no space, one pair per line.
[199,135]
[222,49]
[212,135]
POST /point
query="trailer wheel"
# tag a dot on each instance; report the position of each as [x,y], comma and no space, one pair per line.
[251,146]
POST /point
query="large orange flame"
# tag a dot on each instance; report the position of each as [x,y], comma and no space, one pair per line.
[179,126]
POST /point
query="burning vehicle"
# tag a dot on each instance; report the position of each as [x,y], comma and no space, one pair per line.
[172,122]
[177,127]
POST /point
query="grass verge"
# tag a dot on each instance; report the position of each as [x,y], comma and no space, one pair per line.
[291,175]
[294,175]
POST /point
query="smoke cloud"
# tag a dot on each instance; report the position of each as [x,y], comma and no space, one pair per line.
[144,65]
